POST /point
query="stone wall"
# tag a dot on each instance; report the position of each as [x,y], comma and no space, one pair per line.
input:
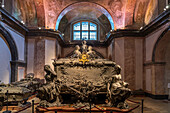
[41,51]
[129,55]
[155,62]
[144,60]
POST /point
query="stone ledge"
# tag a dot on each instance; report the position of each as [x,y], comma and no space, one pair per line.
[159,97]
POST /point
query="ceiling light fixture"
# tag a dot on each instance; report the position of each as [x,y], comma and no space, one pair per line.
[167,6]
[2,5]
[22,22]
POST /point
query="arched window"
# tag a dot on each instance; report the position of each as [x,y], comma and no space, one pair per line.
[84,30]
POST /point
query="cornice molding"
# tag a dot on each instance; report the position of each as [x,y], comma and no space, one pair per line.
[19,63]
[161,20]
[154,63]
[122,33]
[46,33]
[58,35]
[12,22]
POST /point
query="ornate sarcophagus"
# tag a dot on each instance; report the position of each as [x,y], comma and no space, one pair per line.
[29,82]
[84,77]
[16,94]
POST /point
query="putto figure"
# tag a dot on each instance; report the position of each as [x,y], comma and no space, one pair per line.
[77,52]
[85,50]
[91,53]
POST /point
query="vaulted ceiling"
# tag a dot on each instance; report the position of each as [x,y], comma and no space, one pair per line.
[47,13]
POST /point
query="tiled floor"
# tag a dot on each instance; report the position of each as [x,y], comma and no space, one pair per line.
[150,105]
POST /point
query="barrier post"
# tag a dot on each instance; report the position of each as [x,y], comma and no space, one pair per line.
[142,104]
[90,106]
[32,106]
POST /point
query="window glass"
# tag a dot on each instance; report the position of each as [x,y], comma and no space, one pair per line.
[84,30]
[93,26]
[84,25]
[93,35]
[85,35]
[76,35]
[77,26]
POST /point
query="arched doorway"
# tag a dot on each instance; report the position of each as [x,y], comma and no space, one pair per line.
[8,57]
[167,66]
[161,58]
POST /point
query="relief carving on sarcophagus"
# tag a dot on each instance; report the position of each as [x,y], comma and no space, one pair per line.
[84,77]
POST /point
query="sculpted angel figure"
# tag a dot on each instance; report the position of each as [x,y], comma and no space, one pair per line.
[77,52]
[117,90]
[90,52]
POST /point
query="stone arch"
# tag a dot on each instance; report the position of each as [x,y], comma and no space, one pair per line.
[11,42]
[161,63]
[75,5]
[14,53]
[157,46]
